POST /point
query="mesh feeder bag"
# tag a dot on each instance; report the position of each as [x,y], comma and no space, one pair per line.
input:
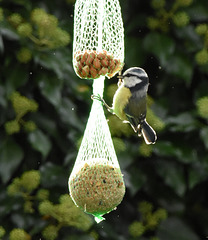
[98,47]
[96,183]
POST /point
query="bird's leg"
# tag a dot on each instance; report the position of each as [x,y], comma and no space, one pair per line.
[98,97]
[139,130]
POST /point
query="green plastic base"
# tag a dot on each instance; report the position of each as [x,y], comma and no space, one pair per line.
[98,218]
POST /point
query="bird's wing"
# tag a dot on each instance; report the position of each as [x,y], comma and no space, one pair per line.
[132,122]
[135,112]
[130,113]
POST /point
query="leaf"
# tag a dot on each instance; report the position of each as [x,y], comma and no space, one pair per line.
[173,176]
[165,149]
[192,39]
[40,142]
[182,152]
[1,44]
[173,228]
[84,237]
[161,45]
[198,12]
[8,203]
[67,112]
[69,158]
[46,123]
[57,61]
[54,175]
[3,102]
[15,79]
[11,156]
[204,136]
[183,122]
[197,173]
[51,88]
[174,61]
[134,179]
[134,57]
[180,65]
[9,34]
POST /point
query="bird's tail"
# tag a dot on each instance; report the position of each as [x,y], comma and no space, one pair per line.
[148,133]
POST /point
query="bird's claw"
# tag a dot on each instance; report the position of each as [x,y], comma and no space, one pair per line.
[96,97]
[99,98]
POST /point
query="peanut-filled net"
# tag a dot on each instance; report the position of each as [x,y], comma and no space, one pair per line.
[96,183]
[98,47]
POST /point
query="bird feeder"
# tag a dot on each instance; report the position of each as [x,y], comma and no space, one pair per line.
[96,183]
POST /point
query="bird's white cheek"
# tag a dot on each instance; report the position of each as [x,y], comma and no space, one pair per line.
[132,81]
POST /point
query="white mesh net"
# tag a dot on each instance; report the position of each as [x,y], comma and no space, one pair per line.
[96,143]
[96,182]
[98,47]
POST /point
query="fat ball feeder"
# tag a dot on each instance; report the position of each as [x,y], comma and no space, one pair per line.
[96,183]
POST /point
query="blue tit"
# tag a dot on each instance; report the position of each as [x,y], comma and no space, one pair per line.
[130,102]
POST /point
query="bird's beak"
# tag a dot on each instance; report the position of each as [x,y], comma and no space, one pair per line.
[120,76]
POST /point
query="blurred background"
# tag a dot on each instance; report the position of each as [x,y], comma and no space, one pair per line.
[44,109]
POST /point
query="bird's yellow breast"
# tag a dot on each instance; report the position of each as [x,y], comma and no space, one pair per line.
[120,100]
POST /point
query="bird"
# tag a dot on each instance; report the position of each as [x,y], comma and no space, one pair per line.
[130,102]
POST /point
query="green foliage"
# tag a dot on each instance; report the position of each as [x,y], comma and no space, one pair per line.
[11,155]
[2,232]
[12,127]
[202,57]
[181,19]
[149,220]
[155,121]
[202,104]
[1,15]
[145,150]
[165,14]
[18,234]
[44,109]
[46,208]
[119,145]
[40,142]
[28,182]
[63,214]
[15,19]
[66,214]
[50,232]
[42,194]
[21,106]
[24,29]
[41,29]
[136,229]
[48,33]
[24,55]
[201,29]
